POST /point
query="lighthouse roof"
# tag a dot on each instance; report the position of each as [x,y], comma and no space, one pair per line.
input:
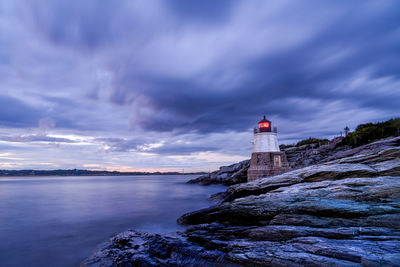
[264,120]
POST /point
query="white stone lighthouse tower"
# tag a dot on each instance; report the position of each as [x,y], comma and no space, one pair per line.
[266,157]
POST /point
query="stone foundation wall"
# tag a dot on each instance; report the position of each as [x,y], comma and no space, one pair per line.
[264,164]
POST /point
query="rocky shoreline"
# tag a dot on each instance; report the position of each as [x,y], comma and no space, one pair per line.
[298,157]
[226,175]
[343,211]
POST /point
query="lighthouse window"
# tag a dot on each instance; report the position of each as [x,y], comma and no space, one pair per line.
[277,160]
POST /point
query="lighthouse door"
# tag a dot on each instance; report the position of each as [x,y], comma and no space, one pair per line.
[277,160]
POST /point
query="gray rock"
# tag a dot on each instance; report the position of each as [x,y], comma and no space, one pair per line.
[384,162]
[222,176]
[134,248]
[227,175]
[300,157]
[225,169]
[345,212]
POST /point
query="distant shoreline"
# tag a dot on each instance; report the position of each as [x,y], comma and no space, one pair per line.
[76,172]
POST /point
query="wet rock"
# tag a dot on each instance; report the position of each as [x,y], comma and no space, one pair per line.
[345,212]
[134,248]
[298,246]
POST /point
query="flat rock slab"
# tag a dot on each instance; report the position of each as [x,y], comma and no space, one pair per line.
[345,212]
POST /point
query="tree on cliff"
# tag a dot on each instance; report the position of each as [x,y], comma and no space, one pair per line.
[346,130]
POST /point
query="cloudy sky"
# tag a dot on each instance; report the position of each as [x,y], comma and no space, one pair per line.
[172,85]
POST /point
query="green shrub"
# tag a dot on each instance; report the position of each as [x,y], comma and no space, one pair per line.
[370,132]
[312,140]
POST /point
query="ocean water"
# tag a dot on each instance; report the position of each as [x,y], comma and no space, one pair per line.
[59,221]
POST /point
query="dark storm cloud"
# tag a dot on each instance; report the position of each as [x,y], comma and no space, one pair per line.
[354,41]
[72,114]
[180,83]
[16,113]
[21,114]
[87,24]
[206,11]
[213,66]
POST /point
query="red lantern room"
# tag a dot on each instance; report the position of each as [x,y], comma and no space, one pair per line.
[264,125]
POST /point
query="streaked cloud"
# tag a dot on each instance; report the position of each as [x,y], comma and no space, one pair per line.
[179,84]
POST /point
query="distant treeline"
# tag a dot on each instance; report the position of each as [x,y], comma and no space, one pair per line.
[312,140]
[370,132]
[363,134]
[76,172]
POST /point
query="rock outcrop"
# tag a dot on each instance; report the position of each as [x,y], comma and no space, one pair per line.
[227,175]
[372,160]
[312,153]
[134,248]
[297,156]
[343,212]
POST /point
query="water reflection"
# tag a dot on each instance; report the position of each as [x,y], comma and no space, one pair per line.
[58,221]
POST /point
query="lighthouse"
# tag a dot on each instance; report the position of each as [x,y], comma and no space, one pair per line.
[266,158]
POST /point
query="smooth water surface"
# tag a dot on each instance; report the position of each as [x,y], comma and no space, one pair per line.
[59,221]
